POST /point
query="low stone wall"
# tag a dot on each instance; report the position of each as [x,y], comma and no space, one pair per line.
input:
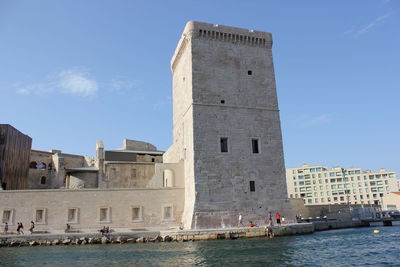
[170,236]
[153,236]
[328,225]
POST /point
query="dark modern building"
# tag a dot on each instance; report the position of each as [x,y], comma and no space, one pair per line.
[15,149]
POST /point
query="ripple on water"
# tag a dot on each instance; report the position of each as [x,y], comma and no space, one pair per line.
[346,247]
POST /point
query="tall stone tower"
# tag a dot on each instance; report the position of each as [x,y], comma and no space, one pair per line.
[226,126]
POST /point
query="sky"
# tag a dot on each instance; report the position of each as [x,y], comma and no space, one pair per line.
[73,72]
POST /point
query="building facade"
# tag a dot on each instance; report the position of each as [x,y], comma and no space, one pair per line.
[319,185]
[391,201]
[227,128]
[15,150]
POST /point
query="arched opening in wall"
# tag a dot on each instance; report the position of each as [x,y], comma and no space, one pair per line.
[168,178]
[41,166]
[43,180]
[33,165]
[4,186]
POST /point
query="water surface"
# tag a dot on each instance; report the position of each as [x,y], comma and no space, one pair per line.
[346,247]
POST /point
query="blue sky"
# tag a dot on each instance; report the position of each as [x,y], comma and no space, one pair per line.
[73,72]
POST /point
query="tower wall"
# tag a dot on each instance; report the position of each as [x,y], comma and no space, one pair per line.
[224,87]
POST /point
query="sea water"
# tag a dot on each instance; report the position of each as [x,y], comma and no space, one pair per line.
[345,247]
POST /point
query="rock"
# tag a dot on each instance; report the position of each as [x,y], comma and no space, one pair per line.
[83,239]
[48,243]
[90,241]
[105,240]
[131,240]
[14,243]
[56,242]
[84,242]
[168,239]
[141,240]
[156,239]
[33,243]
[66,241]
[119,240]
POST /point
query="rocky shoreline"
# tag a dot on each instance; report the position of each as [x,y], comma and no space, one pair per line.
[145,236]
[152,236]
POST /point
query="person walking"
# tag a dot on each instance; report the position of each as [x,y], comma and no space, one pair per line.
[278,218]
[18,228]
[21,228]
[6,227]
[240,221]
[270,223]
[32,227]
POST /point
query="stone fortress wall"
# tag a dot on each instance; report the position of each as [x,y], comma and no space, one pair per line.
[224,95]
[91,209]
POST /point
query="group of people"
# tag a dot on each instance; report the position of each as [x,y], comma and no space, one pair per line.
[20,228]
[105,230]
[278,218]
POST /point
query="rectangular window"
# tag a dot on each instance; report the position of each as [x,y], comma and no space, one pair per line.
[167,213]
[7,216]
[254,146]
[39,216]
[136,214]
[72,215]
[105,215]
[224,144]
[252,186]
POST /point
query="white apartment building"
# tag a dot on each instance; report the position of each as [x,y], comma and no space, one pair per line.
[318,185]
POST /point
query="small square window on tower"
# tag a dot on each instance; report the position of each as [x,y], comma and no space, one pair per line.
[254,146]
[250,72]
[224,144]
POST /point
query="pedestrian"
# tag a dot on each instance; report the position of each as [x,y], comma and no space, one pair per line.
[6,227]
[270,223]
[68,228]
[251,224]
[240,222]
[278,218]
[18,228]
[283,219]
[32,227]
[21,229]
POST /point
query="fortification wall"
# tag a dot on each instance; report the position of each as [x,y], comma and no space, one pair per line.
[53,209]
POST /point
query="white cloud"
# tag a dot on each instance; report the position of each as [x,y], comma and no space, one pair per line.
[368,27]
[317,120]
[76,82]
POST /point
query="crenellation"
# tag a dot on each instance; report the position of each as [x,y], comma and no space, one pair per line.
[234,38]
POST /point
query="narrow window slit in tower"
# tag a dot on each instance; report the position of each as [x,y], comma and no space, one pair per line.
[224,144]
[250,72]
[252,186]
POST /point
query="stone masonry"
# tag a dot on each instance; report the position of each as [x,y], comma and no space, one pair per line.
[227,126]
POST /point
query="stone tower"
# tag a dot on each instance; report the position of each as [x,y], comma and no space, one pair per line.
[226,126]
